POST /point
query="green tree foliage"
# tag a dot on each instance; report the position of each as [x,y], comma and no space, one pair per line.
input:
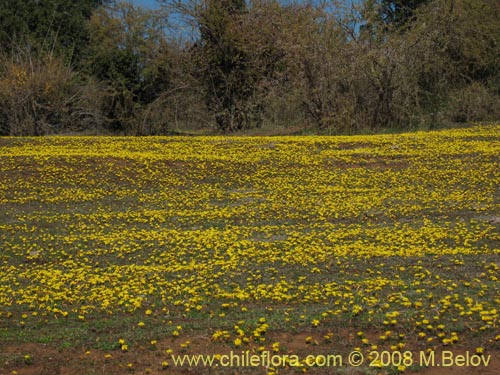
[399,12]
[225,66]
[128,52]
[48,24]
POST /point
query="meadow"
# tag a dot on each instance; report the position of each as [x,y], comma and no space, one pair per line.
[118,252]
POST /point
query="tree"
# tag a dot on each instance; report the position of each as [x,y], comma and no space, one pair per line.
[461,40]
[225,67]
[129,53]
[399,12]
[59,25]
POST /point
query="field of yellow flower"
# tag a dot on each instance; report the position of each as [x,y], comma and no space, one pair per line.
[115,249]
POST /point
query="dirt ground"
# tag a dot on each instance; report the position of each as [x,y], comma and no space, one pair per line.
[46,360]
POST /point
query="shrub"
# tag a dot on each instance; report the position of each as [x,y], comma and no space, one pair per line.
[473,103]
[40,94]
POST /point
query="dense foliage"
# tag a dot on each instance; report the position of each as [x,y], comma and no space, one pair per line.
[59,24]
[235,65]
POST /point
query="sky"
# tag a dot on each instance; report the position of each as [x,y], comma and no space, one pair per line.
[149,4]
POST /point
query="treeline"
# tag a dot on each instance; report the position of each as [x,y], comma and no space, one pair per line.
[100,66]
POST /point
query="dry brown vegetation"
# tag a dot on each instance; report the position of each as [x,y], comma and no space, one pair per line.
[278,67]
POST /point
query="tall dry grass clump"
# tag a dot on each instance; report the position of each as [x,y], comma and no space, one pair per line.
[40,94]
